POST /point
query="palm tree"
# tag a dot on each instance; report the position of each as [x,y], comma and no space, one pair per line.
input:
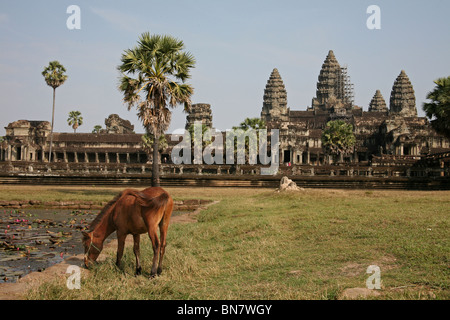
[252,140]
[54,77]
[148,142]
[338,138]
[204,141]
[252,123]
[75,120]
[97,128]
[439,107]
[153,80]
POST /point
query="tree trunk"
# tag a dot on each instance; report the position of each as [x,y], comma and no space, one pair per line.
[51,132]
[155,164]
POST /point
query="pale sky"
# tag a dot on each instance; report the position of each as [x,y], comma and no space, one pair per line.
[236,45]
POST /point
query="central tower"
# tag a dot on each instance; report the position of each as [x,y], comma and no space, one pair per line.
[333,86]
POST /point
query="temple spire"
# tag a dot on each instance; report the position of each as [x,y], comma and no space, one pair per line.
[330,83]
[275,98]
[377,104]
[403,100]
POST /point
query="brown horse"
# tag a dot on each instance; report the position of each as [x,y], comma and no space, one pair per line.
[131,212]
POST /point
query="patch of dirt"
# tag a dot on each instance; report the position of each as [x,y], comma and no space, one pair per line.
[354,269]
[359,293]
[190,217]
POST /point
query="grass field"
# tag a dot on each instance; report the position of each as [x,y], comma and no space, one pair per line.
[260,244]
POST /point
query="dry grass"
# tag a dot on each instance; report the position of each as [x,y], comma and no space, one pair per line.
[259,244]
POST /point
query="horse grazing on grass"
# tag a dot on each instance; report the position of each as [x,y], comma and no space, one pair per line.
[131,212]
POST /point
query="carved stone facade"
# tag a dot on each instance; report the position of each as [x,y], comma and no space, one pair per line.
[115,124]
[199,112]
[24,140]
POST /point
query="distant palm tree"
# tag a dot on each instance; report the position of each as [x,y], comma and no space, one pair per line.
[97,128]
[438,110]
[54,77]
[252,123]
[150,81]
[75,120]
[251,140]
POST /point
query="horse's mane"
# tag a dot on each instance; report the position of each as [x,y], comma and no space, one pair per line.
[105,210]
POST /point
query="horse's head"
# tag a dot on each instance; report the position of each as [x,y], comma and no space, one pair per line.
[92,248]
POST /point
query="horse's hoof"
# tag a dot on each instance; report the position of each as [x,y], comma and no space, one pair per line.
[138,272]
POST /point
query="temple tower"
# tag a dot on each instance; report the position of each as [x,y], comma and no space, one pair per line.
[199,112]
[329,85]
[275,99]
[377,104]
[403,100]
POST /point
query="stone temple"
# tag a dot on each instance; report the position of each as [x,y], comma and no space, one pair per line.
[391,140]
[396,131]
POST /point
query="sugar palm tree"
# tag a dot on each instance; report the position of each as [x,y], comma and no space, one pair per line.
[153,79]
[54,77]
[252,123]
[148,143]
[252,140]
[97,128]
[338,138]
[438,110]
[75,120]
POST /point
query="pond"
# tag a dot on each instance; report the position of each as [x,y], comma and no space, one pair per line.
[35,239]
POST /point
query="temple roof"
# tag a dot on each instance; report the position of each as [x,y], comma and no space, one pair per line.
[97,138]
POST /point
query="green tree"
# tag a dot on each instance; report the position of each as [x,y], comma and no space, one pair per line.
[97,128]
[438,110]
[252,123]
[75,120]
[148,142]
[338,138]
[204,141]
[153,80]
[54,77]
[250,140]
